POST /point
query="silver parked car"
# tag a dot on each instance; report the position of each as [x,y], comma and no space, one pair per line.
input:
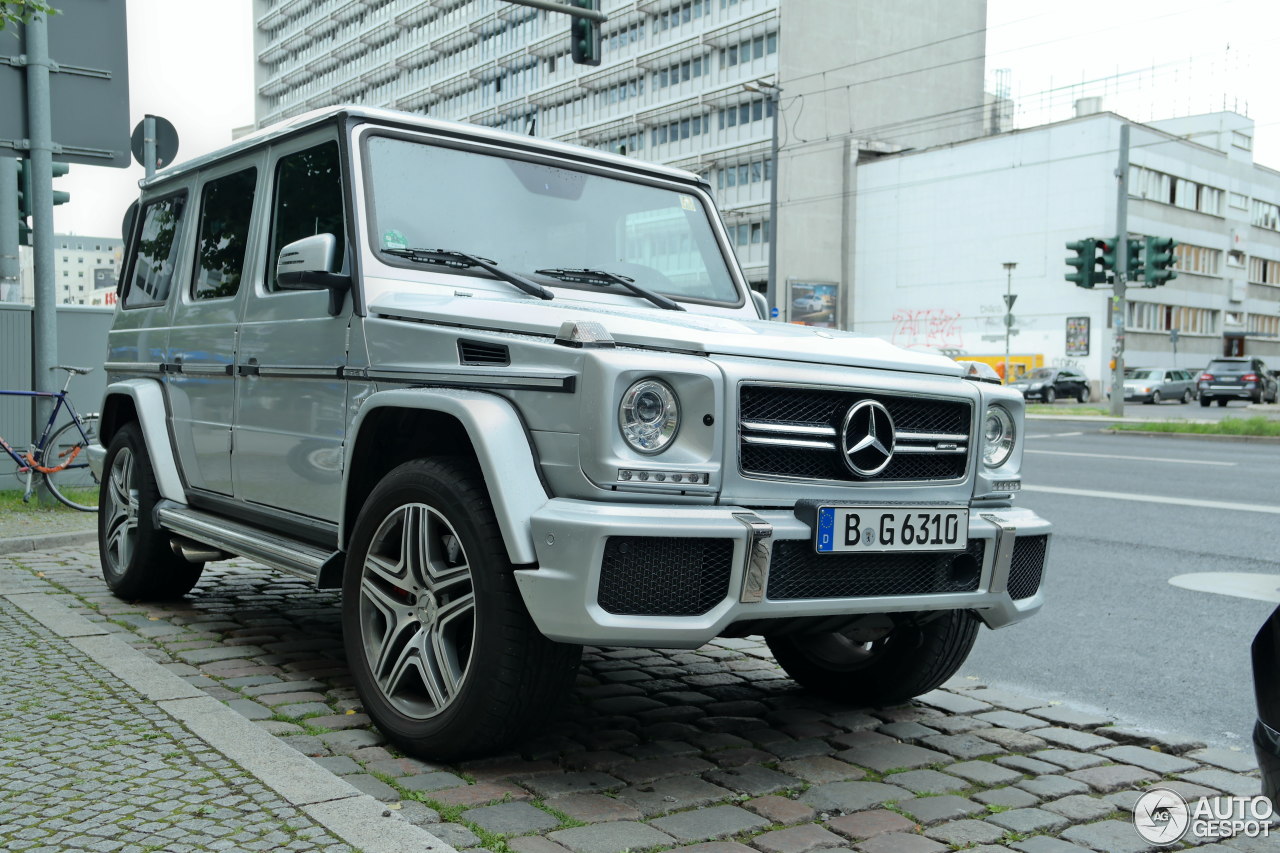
[1158,384]
[514,396]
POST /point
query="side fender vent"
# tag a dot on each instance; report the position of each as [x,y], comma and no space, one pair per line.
[477,352]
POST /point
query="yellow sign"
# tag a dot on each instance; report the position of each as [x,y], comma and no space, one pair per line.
[1019,365]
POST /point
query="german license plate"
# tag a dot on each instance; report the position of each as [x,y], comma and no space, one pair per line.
[878,529]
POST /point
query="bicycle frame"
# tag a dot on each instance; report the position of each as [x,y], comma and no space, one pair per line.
[33,456]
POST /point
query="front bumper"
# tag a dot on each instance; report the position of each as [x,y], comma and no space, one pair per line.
[714,564]
[97,458]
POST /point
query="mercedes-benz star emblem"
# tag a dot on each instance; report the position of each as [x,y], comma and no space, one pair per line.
[867,438]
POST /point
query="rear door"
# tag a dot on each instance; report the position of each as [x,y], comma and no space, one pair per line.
[291,418]
[202,342]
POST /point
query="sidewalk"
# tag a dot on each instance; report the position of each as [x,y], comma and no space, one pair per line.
[242,687]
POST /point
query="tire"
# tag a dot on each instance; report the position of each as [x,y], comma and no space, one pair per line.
[447,661]
[1050,395]
[1156,399]
[137,560]
[1205,401]
[1186,397]
[76,485]
[1222,401]
[914,657]
[1083,397]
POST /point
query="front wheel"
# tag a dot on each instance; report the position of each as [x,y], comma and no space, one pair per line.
[444,655]
[75,485]
[137,560]
[1186,397]
[1156,399]
[883,665]
[1083,396]
[1050,395]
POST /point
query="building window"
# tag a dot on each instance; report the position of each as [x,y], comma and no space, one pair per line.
[1266,215]
[745,113]
[1242,140]
[1235,258]
[744,173]
[1263,326]
[1180,192]
[749,49]
[682,129]
[1153,317]
[1238,201]
[1197,259]
[1263,271]
[681,72]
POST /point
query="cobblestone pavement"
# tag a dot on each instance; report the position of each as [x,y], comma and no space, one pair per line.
[713,751]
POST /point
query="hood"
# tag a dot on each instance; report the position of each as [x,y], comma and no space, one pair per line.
[679,331]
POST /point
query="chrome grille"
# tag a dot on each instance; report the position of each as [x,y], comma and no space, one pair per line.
[795,433]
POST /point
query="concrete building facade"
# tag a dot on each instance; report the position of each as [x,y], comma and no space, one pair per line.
[85,270]
[936,227]
[691,83]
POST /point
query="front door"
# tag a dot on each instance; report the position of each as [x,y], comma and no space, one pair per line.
[291,417]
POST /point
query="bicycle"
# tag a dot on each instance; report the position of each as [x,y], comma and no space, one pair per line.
[70,479]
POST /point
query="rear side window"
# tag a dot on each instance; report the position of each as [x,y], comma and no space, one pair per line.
[151,273]
[225,208]
[308,201]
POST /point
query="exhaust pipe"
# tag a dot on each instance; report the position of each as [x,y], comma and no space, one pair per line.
[196,552]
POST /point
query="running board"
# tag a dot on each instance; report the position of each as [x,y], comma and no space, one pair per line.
[279,552]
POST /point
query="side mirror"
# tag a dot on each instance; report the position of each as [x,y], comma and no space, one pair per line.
[308,264]
[762,307]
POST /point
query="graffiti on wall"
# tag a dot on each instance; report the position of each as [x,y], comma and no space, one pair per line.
[927,328]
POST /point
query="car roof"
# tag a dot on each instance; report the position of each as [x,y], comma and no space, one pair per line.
[411,121]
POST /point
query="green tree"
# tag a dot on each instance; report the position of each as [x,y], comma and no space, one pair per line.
[20,11]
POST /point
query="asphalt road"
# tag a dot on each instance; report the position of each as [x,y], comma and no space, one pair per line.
[1114,633]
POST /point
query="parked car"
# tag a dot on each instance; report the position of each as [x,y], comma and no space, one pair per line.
[809,304]
[1050,383]
[575,435]
[1266,686]
[1245,378]
[1157,384]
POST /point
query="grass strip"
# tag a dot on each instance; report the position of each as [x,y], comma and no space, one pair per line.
[1257,425]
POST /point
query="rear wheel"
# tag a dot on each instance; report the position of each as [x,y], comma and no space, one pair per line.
[75,485]
[445,657]
[881,661]
[137,560]
[1205,401]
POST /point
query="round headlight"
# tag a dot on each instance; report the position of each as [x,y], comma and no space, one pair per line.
[997,436]
[649,416]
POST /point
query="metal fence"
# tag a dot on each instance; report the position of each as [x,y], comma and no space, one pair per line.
[82,341]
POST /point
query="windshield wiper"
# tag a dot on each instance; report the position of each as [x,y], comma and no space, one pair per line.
[602,278]
[461,260]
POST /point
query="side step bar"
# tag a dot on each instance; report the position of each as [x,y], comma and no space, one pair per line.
[279,552]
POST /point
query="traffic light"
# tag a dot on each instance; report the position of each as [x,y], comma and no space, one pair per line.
[1086,256]
[1160,257]
[1133,263]
[1107,255]
[60,196]
[584,34]
[26,197]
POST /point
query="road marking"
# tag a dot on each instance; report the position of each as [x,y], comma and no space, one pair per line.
[1154,499]
[1239,584]
[1056,435]
[1137,458]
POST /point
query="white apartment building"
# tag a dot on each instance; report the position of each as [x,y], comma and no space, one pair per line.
[936,227]
[85,270]
[689,83]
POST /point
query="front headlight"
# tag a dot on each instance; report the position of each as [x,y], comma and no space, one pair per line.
[1036,386]
[649,416]
[997,436]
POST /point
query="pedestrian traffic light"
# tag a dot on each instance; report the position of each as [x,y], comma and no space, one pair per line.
[1086,256]
[1160,256]
[584,34]
[1133,260]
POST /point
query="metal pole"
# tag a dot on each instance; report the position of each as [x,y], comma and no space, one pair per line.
[149,144]
[1118,307]
[44,330]
[771,286]
[10,283]
[1008,312]
[576,11]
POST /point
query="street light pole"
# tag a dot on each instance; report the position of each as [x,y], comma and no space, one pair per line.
[772,91]
[1009,299]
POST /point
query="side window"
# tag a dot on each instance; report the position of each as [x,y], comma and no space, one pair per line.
[225,208]
[308,200]
[157,249]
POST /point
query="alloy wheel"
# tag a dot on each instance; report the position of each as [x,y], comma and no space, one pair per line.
[122,510]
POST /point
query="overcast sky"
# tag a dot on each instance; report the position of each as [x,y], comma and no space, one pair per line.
[191,61]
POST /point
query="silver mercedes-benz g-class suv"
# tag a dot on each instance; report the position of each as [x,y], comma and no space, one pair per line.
[514,396]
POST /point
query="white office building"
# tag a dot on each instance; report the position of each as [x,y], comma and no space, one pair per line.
[85,270]
[937,226]
[690,83]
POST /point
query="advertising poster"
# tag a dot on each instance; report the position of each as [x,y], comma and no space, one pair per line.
[1077,336]
[813,303]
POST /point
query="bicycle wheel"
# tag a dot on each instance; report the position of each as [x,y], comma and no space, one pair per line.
[75,485]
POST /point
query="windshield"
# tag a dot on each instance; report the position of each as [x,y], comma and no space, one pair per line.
[529,216]
[1142,374]
[1040,373]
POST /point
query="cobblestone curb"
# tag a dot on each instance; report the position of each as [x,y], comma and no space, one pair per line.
[47,541]
[711,751]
